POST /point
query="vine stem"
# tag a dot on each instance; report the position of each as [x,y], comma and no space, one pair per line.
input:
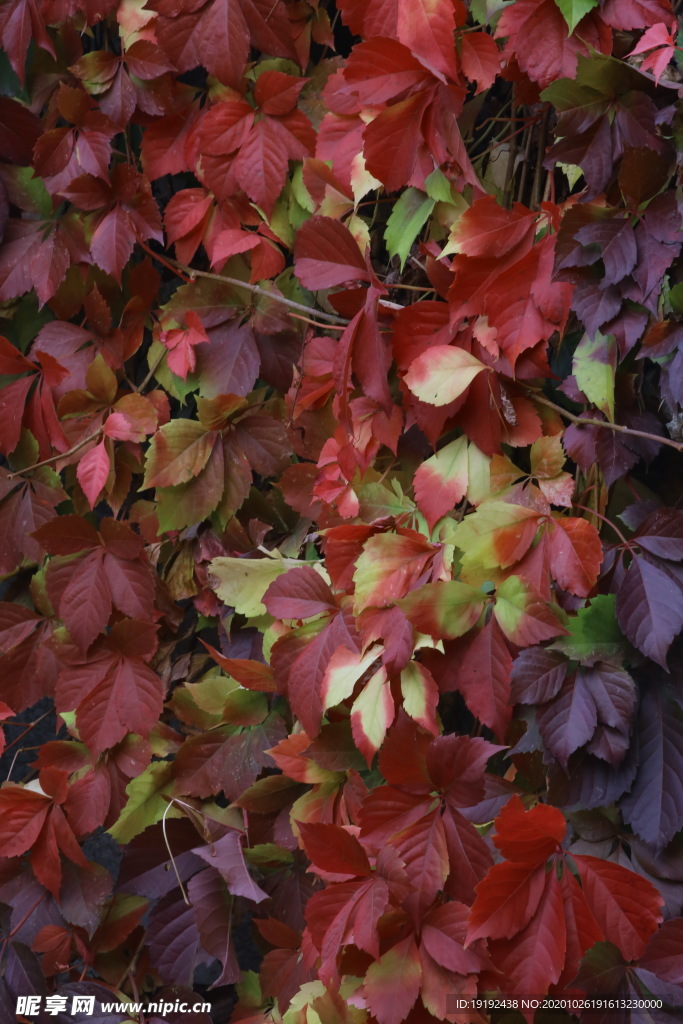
[20,737]
[55,458]
[21,924]
[256,290]
[588,421]
[608,522]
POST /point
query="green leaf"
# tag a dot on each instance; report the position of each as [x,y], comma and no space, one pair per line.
[439,187]
[178,452]
[405,222]
[594,368]
[594,633]
[574,10]
[146,802]
[445,609]
[242,582]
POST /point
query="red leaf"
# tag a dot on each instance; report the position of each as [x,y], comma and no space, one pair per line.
[529,837]
[346,913]
[326,254]
[333,849]
[12,405]
[506,901]
[276,93]
[444,934]
[223,42]
[480,59]
[181,342]
[392,139]
[212,904]
[253,675]
[537,36]
[533,959]
[92,472]
[625,905]
[308,670]
[82,595]
[114,692]
[261,164]
[67,535]
[664,953]
[112,242]
[575,553]
[481,669]
[582,929]
[23,814]
[299,594]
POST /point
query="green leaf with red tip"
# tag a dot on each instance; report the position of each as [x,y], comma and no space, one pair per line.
[456,470]
[420,695]
[372,713]
[445,609]
[497,534]
[392,982]
[343,671]
[442,374]
[391,565]
[179,451]
[523,615]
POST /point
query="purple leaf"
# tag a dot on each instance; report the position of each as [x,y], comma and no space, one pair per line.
[650,609]
[229,364]
[568,722]
[227,858]
[664,954]
[537,675]
[662,534]
[213,913]
[654,806]
[174,939]
[594,305]
[590,782]
[617,246]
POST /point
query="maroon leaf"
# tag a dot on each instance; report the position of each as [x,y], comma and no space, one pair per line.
[650,609]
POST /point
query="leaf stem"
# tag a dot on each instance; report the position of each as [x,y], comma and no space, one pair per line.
[28,729]
[55,458]
[608,522]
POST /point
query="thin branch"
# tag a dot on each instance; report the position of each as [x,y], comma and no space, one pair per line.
[164,260]
[256,290]
[316,323]
[528,140]
[56,458]
[153,369]
[607,522]
[28,728]
[511,169]
[587,421]
[170,851]
[19,926]
[540,157]
[133,963]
